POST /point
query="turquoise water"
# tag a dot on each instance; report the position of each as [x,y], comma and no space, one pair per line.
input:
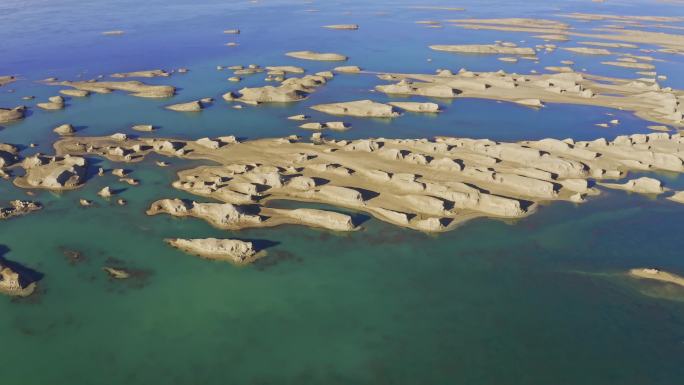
[542,300]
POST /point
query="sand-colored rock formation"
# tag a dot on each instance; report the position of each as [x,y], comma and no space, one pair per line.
[678,197]
[587,50]
[347,69]
[141,74]
[133,87]
[670,43]
[335,126]
[19,208]
[75,93]
[281,70]
[237,216]
[426,185]
[290,90]
[6,80]
[231,250]
[657,275]
[342,26]
[116,273]
[143,127]
[360,108]
[9,155]
[64,129]
[310,55]
[641,66]
[13,283]
[52,172]
[485,49]
[648,100]
[193,106]
[416,106]
[105,192]
[12,114]
[608,44]
[53,103]
[643,185]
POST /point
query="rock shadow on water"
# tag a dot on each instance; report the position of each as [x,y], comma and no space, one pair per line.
[276,257]
[93,165]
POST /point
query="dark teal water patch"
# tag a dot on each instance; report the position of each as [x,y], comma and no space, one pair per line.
[538,300]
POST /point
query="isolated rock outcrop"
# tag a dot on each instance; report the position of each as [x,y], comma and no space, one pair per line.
[54,103]
[484,49]
[18,208]
[14,281]
[643,185]
[53,173]
[342,26]
[231,250]
[360,108]
[141,74]
[75,93]
[416,107]
[64,129]
[221,215]
[12,114]
[657,275]
[348,69]
[310,55]
[193,106]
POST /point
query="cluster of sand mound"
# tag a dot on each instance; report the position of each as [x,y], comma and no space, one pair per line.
[52,172]
[427,185]
[645,97]
[135,88]
[543,28]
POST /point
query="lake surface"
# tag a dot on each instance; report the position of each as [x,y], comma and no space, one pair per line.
[543,300]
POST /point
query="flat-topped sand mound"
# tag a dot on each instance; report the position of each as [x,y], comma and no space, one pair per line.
[484,49]
[310,55]
[133,87]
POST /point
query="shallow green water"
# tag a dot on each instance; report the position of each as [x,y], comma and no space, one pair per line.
[542,300]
